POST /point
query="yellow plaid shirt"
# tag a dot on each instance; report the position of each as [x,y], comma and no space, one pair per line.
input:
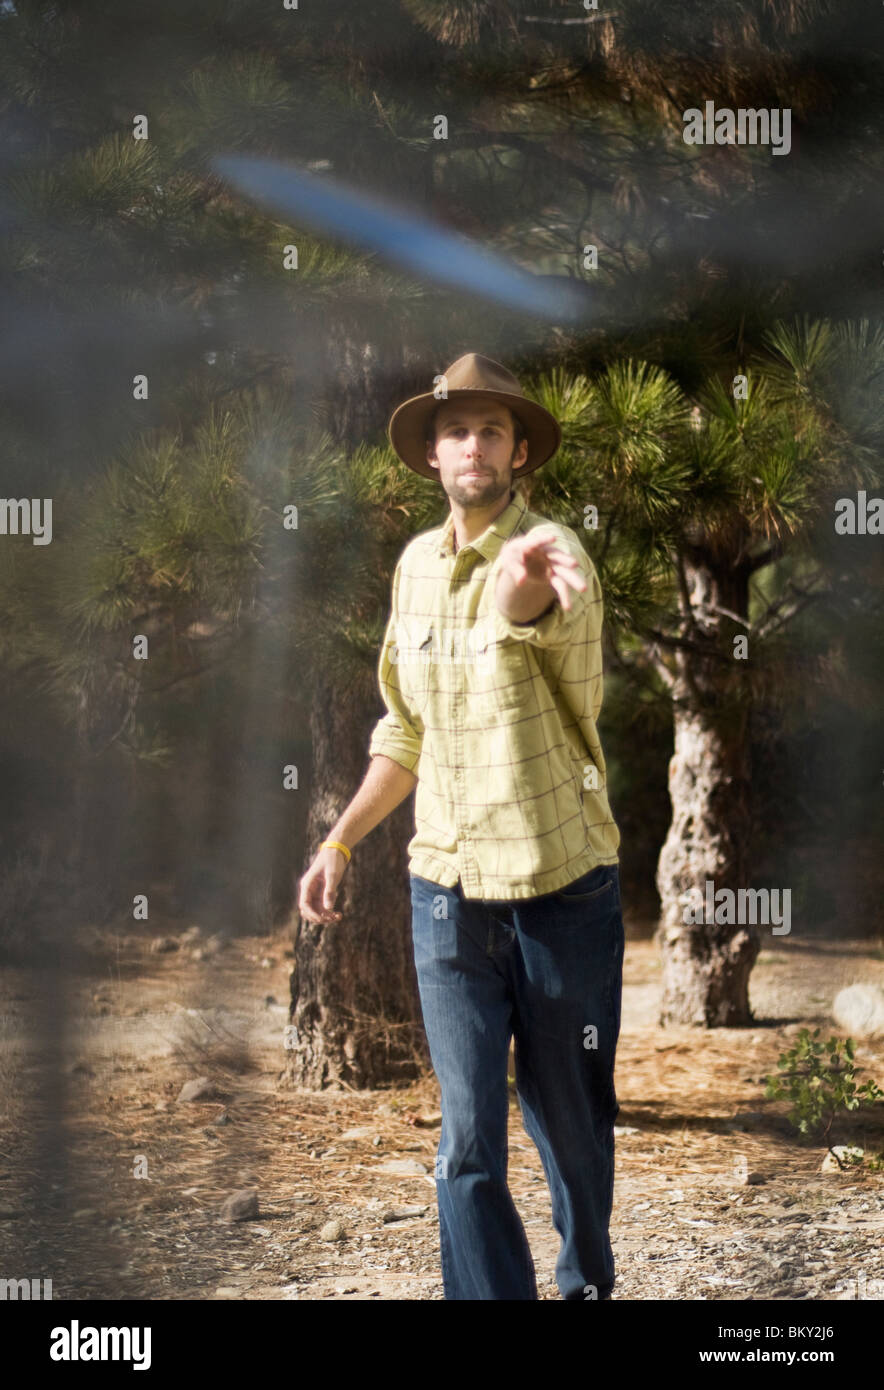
[497,719]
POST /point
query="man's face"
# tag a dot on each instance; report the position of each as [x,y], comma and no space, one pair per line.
[474,450]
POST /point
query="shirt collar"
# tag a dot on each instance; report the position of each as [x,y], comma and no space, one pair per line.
[492,538]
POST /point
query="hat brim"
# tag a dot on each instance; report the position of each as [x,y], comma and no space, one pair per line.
[407,430]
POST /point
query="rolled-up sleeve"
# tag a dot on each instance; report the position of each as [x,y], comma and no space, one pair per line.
[399,734]
[557,625]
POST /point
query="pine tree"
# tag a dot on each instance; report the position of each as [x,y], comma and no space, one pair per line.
[700,507]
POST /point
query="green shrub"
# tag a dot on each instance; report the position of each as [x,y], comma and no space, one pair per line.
[820,1088]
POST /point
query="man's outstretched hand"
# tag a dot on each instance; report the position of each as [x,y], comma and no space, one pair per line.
[533,571]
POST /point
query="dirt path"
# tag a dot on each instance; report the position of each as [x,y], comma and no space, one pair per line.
[128,1206]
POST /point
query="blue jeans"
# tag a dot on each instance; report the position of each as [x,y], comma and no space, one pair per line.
[547,971]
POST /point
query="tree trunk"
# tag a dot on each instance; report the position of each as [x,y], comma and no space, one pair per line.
[355,1008]
[352,387]
[706,965]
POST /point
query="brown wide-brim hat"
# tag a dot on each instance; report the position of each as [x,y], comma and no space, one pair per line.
[472,374]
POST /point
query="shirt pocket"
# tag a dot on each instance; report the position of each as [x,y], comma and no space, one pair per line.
[415,656]
[503,682]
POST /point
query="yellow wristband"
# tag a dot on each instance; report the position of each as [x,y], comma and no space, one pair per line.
[336,844]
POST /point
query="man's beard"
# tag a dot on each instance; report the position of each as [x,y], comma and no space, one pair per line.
[481,493]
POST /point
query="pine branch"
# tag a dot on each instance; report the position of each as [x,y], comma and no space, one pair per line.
[197,671]
[806,597]
[636,671]
[727,613]
[538,150]
[127,717]
[684,644]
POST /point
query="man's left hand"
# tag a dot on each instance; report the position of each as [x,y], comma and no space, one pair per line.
[533,570]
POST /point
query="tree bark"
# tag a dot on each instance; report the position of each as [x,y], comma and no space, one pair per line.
[706,965]
[353,371]
[355,1008]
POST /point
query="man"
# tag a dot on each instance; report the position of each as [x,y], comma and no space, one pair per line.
[491,672]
